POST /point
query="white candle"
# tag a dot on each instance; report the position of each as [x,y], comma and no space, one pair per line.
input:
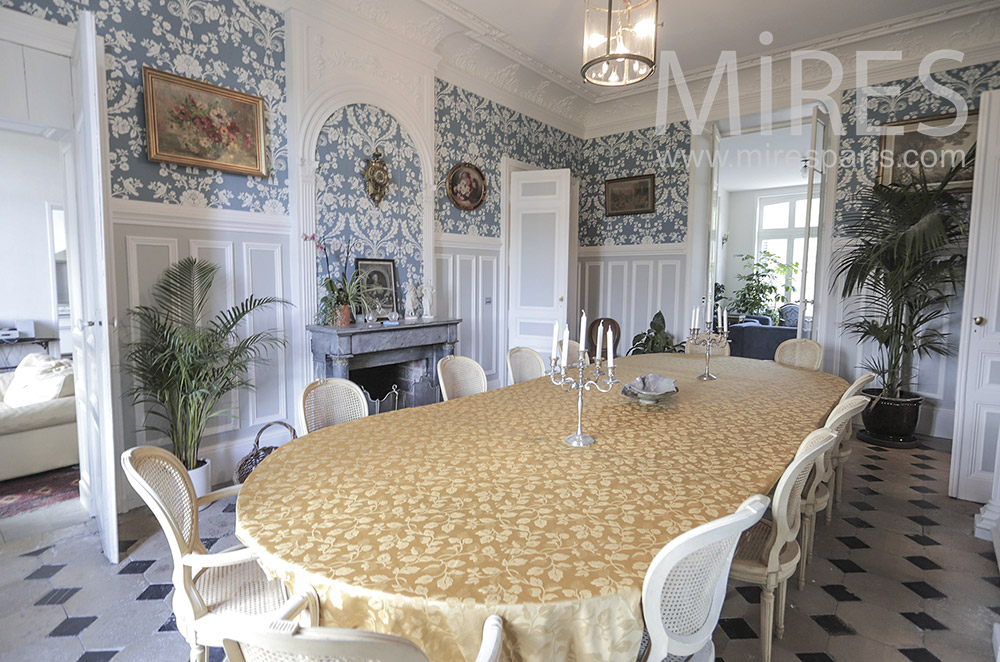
[611,347]
[692,317]
[600,340]
[583,328]
[718,312]
[555,340]
[565,347]
[697,319]
[725,320]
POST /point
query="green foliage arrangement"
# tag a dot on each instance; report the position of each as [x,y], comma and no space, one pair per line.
[182,364]
[656,340]
[759,294]
[903,262]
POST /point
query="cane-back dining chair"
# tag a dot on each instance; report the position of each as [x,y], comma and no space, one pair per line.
[800,353]
[816,495]
[330,401]
[685,586]
[768,552]
[284,641]
[843,452]
[210,590]
[691,348]
[460,376]
[524,364]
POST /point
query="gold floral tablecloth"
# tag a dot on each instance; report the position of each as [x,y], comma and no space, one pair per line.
[424,521]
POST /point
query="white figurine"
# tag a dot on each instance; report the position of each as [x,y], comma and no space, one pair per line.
[410,301]
[427,299]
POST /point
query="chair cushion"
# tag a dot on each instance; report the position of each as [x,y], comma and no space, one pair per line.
[39,378]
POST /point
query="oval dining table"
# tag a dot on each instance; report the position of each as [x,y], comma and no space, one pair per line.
[422,522]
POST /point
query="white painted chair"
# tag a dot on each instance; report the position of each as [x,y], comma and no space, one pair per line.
[330,401]
[800,353]
[210,590]
[574,353]
[691,348]
[685,586]
[768,552]
[843,452]
[524,364]
[816,494]
[285,642]
[460,376]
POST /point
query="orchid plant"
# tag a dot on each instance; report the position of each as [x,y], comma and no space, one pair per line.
[339,289]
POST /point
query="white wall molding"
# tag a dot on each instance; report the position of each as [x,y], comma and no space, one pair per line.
[634,250]
[139,212]
[18,27]
[458,242]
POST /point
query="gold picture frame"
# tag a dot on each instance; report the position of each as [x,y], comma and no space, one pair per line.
[630,195]
[915,145]
[192,123]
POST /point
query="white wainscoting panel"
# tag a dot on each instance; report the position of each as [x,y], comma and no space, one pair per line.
[469,287]
[632,283]
[263,277]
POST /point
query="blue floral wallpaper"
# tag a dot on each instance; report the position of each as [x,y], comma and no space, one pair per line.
[344,212]
[471,128]
[637,152]
[232,43]
[913,101]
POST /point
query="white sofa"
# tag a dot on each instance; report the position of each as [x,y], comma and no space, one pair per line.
[39,436]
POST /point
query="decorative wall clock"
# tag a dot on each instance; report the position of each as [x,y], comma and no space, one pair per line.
[376,174]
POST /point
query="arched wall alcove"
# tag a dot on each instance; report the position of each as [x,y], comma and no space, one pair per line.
[339,128]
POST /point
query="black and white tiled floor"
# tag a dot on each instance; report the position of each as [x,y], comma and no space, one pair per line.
[897,577]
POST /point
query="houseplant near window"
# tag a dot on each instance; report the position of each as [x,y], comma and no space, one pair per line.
[903,262]
[181,363]
[656,339]
[759,294]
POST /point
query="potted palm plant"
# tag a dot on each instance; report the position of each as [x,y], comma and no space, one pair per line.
[902,263]
[761,293]
[182,364]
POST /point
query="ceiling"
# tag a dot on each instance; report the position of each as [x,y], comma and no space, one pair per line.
[550,31]
[751,162]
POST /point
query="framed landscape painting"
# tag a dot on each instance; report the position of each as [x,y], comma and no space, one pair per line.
[936,154]
[197,124]
[630,195]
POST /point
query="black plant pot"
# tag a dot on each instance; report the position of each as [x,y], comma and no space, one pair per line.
[891,422]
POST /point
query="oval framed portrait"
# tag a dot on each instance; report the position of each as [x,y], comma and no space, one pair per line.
[466,186]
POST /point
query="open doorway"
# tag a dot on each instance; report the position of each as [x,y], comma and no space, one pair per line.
[40,475]
[769,206]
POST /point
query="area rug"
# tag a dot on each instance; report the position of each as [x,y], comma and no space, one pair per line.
[19,495]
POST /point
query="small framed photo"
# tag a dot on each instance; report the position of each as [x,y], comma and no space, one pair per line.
[198,124]
[902,156]
[630,195]
[466,186]
[380,283]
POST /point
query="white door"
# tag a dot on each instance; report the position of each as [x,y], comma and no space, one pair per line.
[88,252]
[804,249]
[539,257]
[977,398]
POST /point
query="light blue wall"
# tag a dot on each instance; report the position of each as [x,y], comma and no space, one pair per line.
[913,101]
[632,153]
[471,128]
[345,213]
[232,43]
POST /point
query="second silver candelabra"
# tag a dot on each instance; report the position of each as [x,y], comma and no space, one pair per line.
[589,376]
[708,339]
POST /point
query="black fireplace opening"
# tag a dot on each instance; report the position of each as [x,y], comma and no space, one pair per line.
[411,379]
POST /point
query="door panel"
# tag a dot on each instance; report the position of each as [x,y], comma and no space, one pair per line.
[539,256]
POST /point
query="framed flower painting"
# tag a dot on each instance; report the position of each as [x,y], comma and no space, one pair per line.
[466,186]
[198,124]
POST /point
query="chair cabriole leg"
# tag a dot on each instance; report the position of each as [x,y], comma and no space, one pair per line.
[766,621]
[779,617]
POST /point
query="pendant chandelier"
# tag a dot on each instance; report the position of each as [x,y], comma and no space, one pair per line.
[619,41]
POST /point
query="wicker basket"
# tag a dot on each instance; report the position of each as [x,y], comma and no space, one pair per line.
[257,455]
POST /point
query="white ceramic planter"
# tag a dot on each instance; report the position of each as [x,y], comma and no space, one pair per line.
[201,478]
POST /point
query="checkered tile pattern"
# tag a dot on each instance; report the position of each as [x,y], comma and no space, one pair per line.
[897,576]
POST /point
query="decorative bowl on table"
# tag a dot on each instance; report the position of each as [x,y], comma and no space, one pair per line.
[650,389]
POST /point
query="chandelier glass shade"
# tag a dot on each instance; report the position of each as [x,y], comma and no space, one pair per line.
[619,41]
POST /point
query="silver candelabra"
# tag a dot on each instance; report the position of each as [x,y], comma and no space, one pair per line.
[590,376]
[708,339]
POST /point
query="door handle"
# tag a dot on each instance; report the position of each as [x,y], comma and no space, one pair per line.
[979,320]
[560,299]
